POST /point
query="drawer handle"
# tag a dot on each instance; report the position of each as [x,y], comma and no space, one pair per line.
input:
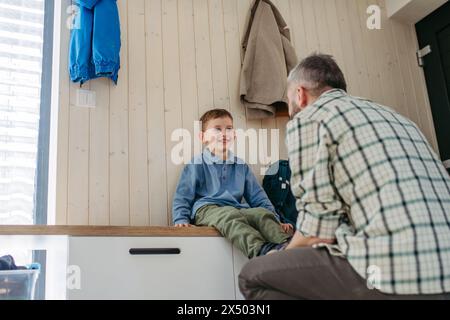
[154,251]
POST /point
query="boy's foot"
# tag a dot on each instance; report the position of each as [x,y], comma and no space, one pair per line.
[278,247]
[268,246]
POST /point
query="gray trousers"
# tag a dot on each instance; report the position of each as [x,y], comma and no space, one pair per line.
[310,274]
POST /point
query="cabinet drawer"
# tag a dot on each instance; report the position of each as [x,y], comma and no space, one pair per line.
[158,268]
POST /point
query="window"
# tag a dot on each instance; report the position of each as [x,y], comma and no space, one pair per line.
[26,32]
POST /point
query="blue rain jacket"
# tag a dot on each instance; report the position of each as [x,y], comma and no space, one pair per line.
[95,41]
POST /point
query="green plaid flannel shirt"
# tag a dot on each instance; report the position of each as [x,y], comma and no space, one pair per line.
[366,176]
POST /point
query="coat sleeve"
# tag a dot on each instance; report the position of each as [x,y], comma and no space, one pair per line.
[267,56]
[89,4]
[95,42]
[81,68]
[106,40]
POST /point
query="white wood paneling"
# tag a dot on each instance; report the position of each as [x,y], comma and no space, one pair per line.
[137,99]
[99,158]
[78,162]
[218,55]
[156,114]
[62,150]
[172,90]
[233,59]
[181,58]
[203,56]
[188,66]
[119,183]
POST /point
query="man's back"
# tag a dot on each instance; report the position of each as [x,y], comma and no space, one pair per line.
[369,176]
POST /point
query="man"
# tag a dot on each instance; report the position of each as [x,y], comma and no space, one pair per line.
[373,201]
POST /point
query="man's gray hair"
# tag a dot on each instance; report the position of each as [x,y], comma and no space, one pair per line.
[317,72]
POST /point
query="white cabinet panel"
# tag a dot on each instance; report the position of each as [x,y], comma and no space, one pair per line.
[239,260]
[202,270]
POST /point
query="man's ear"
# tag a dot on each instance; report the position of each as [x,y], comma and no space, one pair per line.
[201,136]
[302,97]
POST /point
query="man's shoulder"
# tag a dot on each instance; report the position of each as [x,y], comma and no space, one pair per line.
[324,112]
[303,121]
[331,107]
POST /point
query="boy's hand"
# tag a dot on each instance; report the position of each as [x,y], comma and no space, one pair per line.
[183,225]
[287,227]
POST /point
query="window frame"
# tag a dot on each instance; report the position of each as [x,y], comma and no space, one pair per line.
[40,215]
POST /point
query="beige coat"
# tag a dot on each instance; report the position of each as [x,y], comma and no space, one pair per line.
[268,58]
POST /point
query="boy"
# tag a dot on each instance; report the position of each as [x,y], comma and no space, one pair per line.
[211,189]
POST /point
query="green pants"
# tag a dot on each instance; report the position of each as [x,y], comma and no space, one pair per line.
[247,229]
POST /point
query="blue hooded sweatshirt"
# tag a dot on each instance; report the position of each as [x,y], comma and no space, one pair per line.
[95,41]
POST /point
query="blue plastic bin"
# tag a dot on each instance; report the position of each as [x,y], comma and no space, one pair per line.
[18,284]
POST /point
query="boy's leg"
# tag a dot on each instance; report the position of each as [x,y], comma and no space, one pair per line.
[233,225]
[263,220]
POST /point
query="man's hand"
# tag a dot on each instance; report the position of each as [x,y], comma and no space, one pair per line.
[300,241]
[287,227]
[184,225]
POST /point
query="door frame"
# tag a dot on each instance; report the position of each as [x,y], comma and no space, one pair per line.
[438,92]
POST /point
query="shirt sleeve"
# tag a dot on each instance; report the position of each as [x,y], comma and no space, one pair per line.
[184,196]
[310,155]
[255,195]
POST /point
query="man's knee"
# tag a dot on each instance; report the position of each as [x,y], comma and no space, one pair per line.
[247,279]
[280,273]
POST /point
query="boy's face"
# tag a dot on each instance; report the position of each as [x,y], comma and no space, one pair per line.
[219,135]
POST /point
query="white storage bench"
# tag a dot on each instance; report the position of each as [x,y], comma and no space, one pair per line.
[145,263]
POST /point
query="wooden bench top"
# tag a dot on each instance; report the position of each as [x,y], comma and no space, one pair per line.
[108,231]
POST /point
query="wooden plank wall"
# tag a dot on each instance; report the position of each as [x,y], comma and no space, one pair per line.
[181,58]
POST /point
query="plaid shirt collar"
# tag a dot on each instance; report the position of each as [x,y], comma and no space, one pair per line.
[324,98]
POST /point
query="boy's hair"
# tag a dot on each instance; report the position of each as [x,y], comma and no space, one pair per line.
[214,114]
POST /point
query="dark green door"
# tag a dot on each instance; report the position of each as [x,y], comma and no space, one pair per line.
[434,38]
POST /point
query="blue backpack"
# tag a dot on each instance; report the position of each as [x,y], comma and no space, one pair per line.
[276,183]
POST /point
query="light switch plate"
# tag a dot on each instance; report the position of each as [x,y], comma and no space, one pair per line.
[86,98]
